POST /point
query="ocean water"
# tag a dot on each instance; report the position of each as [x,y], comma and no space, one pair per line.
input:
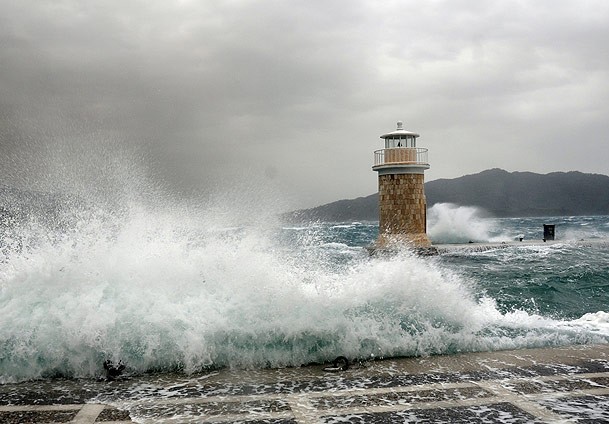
[182,289]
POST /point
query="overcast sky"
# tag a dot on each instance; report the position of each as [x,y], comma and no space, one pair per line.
[295,94]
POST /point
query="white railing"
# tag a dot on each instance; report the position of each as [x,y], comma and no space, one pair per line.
[401,155]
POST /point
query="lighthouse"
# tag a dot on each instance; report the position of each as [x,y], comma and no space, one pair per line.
[402,206]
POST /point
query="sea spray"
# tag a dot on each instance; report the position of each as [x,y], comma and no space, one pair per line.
[450,223]
[174,288]
[161,295]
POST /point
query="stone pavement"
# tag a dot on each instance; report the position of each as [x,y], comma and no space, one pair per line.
[569,384]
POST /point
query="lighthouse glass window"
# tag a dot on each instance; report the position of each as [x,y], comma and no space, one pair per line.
[391,143]
[402,141]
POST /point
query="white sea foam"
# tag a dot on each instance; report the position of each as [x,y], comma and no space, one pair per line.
[173,289]
[450,223]
[596,322]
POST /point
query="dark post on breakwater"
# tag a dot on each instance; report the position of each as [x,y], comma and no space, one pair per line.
[402,204]
[548,232]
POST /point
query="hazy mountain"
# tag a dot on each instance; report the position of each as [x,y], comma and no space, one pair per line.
[501,193]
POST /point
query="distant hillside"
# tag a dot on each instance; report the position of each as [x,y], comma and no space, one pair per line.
[360,209]
[501,193]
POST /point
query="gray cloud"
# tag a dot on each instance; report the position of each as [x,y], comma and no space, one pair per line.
[295,94]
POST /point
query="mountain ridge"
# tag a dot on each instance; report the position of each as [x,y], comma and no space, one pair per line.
[498,192]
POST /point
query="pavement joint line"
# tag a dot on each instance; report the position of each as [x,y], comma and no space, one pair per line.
[411,406]
[579,376]
[302,410]
[520,401]
[214,399]
[236,417]
[394,389]
[372,409]
[115,422]
[41,408]
[582,376]
[572,393]
[88,413]
[313,395]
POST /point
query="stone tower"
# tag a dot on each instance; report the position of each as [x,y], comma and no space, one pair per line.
[402,205]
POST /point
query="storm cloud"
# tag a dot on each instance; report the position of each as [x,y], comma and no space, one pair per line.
[295,94]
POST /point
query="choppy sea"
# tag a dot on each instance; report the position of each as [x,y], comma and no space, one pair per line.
[174,290]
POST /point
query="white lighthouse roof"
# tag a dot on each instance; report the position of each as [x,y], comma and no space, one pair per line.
[400,131]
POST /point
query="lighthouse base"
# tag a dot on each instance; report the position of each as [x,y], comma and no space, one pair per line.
[394,243]
[390,249]
[417,240]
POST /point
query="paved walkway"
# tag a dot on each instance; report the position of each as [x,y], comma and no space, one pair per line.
[524,386]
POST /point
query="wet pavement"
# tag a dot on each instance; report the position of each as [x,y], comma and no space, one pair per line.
[569,384]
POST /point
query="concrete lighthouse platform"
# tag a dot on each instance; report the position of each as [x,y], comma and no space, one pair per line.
[566,384]
[472,247]
[481,247]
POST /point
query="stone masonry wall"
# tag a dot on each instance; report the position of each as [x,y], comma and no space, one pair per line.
[402,207]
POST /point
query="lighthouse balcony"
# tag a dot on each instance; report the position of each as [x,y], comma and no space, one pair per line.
[409,156]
